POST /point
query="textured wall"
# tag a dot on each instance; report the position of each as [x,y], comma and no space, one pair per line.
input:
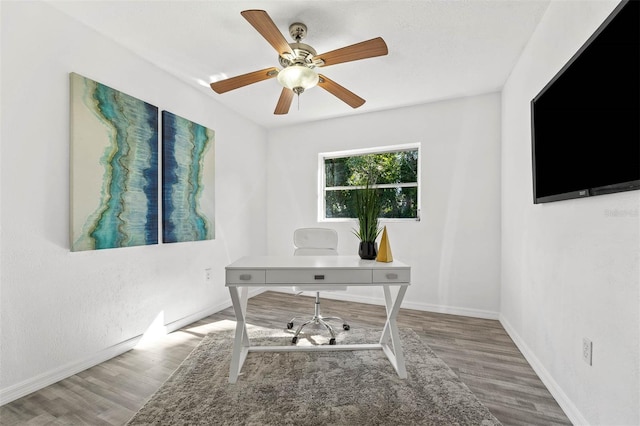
[569,269]
[59,308]
[454,251]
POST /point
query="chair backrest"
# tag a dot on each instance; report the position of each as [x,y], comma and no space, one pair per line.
[315,242]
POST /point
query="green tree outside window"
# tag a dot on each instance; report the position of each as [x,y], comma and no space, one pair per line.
[394,174]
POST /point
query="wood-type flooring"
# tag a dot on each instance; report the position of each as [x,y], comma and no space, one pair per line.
[478,350]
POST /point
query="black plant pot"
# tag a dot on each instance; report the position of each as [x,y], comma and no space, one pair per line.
[368,250]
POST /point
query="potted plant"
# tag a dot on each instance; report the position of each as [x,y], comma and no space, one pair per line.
[367,211]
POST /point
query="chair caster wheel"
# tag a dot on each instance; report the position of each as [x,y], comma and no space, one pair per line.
[332,341]
[289,325]
[294,340]
[346,327]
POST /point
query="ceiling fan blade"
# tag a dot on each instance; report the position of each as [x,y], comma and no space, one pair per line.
[284,103]
[263,23]
[363,50]
[345,95]
[243,80]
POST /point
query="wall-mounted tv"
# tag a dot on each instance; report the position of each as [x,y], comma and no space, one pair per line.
[585,122]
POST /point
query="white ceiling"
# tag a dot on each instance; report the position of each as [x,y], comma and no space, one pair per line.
[438,49]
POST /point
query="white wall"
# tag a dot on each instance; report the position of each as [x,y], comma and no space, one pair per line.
[61,311]
[569,269]
[454,251]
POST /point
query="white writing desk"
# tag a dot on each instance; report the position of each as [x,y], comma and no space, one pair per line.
[313,273]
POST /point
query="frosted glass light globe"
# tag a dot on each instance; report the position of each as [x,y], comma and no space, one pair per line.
[298,78]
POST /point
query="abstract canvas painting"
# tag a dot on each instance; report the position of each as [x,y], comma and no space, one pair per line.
[114,168]
[188,180]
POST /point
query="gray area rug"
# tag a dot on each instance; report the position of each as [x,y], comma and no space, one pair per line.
[313,388]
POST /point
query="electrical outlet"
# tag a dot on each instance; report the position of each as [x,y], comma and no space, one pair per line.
[587,349]
[207,274]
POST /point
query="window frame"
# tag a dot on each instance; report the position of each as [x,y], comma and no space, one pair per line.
[364,151]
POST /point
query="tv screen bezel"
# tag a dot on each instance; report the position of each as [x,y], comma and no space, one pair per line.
[582,192]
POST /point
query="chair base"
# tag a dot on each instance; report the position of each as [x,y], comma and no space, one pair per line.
[320,320]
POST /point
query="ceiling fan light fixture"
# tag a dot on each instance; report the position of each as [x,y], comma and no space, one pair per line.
[298,78]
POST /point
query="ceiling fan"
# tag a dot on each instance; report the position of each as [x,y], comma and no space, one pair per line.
[299,62]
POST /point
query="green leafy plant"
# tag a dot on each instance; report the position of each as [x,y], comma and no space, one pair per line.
[368,210]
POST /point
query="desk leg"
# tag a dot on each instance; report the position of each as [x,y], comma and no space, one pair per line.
[241,341]
[390,339]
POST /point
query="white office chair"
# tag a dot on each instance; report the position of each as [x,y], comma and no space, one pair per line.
[316,242]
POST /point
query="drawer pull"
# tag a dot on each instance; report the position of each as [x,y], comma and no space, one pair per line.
[245,277]
[318,277]
[392,276]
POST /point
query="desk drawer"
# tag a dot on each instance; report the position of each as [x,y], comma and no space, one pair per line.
[245,276]
[391,276]
[310,276]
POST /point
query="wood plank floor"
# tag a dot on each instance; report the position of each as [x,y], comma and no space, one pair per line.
[478,350]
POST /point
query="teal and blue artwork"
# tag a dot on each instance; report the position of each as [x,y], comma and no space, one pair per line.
[188,180]
[114,168]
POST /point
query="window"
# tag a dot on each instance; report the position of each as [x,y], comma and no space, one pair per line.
[394,171]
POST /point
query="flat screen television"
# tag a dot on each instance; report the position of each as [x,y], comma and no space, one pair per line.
[585,122]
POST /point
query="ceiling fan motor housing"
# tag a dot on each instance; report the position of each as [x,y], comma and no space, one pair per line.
[304,55]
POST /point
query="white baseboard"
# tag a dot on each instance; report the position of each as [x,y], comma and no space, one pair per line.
[426,307]
[43,380]
[561,398]
[18,390]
